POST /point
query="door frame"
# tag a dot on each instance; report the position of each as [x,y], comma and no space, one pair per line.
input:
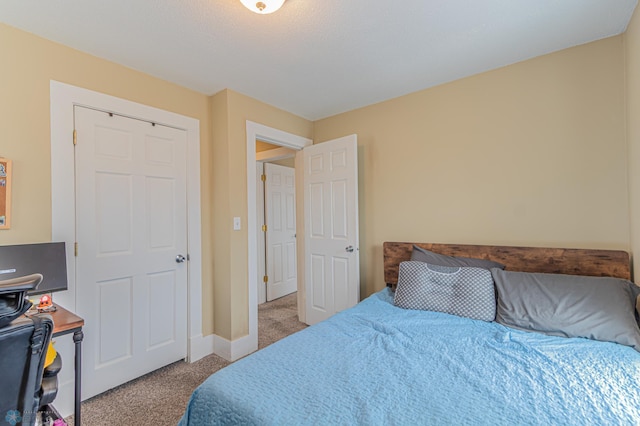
[63,99]
[275,137]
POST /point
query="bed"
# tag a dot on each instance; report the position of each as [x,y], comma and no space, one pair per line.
[381,364]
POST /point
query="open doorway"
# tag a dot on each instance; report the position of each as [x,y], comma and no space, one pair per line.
[277,281]
[258,132]
[330,165]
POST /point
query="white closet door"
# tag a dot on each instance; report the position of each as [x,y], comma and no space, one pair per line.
[132,236]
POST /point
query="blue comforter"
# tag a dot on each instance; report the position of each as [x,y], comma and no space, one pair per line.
[376,364]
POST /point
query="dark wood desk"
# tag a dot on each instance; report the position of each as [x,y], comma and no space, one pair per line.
[66,322]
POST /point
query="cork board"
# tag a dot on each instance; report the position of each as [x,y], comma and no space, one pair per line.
[610,263]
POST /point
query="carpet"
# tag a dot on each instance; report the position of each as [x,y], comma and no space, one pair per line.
[160,397]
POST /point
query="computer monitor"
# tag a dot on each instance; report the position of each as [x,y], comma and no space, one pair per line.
[48,259]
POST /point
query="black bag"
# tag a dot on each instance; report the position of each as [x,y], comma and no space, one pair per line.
[13,297]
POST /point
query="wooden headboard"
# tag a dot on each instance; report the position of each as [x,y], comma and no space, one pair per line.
[599,263]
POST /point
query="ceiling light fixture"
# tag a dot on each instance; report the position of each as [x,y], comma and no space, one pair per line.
[263,6]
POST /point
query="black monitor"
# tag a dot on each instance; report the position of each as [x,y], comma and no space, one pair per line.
[48,259]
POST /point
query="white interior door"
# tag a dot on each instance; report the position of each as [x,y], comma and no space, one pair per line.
[280,215]
[332,271]
[131,231]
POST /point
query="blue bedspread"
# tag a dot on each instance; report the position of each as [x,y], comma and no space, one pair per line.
[376,364]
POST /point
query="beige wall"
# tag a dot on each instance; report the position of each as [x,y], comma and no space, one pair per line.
[230,199]
[529,154]
[632,73]
[286,162]
[221,215]
[28,65]
[31,62]
[262,146]
[532,154]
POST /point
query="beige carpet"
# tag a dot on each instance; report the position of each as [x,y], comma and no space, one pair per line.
[159,398]
[277,320]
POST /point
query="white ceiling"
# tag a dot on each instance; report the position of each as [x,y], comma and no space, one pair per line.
[317,58]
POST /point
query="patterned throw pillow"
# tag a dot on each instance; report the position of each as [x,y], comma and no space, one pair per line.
[463,291]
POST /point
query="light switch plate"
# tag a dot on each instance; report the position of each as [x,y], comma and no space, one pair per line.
[236,223]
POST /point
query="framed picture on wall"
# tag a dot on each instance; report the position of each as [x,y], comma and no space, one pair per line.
[5,193]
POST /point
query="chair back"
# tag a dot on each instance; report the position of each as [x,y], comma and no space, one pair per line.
[23,346]
[13,296]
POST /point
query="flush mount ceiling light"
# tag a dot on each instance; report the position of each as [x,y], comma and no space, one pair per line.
[263,6]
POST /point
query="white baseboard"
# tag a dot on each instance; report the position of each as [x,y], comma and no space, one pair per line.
[200,346]
[236,349]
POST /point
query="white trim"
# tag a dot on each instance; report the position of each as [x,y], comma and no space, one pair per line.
[248,344]
[201,346]
[234,350]
[63,99]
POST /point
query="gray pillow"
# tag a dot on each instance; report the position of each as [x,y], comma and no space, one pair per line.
[463,291]
[421,255]
[598,308]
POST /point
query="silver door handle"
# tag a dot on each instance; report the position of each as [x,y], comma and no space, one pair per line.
[180,258]
[349,249]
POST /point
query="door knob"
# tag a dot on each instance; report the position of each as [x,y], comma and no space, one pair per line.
[180,258]
[349,249]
